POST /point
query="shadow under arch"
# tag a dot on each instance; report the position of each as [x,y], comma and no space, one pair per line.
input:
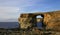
[35,19]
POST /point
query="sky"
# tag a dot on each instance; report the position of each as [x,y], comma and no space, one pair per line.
[10,10]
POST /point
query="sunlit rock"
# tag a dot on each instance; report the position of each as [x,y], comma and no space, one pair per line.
[50,20]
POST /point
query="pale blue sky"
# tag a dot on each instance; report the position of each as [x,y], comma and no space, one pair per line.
[11,9]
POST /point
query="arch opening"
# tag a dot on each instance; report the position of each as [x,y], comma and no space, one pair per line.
[39,21]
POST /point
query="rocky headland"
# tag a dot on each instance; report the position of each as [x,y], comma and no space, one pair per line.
[50,20]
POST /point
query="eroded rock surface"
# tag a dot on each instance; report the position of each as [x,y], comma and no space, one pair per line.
[51,21]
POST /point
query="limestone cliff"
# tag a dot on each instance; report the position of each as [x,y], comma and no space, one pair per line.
[51,20]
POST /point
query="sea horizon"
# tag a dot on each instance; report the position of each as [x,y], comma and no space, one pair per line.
[8,25]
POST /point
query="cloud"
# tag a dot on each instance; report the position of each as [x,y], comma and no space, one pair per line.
[10,9]
[29,5]
[8,13]
[39,5]
[9,2]
[29,2]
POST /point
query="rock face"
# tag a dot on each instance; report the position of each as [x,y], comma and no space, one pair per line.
[51,20]
[24,21]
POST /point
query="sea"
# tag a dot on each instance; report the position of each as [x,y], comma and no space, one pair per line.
[9,25]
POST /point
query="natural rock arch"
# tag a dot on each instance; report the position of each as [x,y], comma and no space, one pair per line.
[29,18]
[49,19]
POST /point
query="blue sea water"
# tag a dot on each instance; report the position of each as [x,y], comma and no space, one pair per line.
[39,25]
[8,25]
